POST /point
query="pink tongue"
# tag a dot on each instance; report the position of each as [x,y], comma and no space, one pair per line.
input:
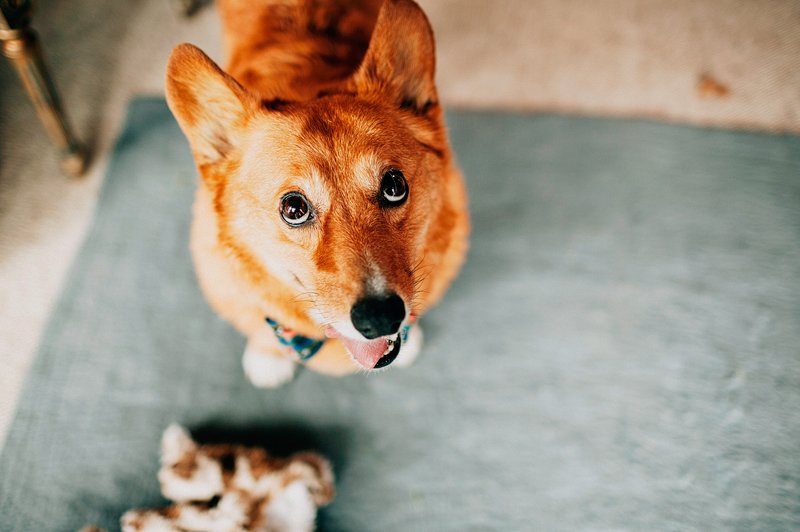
[366,352]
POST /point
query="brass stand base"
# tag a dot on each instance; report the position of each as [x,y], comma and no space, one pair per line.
[74,163]
[20,45]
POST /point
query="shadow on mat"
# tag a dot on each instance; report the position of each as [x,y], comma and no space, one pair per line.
[281,438]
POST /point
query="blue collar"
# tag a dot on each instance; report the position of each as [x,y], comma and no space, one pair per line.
[304,346]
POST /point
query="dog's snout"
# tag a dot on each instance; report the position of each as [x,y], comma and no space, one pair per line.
[376,316]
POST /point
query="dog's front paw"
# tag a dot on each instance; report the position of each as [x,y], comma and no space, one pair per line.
[411,348]
[266,370]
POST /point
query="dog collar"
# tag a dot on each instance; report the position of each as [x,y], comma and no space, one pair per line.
[306,347]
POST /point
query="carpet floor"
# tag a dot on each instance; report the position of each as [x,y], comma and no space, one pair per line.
[621,351]
[729,63]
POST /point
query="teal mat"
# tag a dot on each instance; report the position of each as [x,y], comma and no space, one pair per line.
[621,352]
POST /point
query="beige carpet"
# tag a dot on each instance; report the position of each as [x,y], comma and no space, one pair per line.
[725,63]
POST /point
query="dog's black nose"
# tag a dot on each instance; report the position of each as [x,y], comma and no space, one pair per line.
[376,316]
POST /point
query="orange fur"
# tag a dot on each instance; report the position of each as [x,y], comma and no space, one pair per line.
[320,97]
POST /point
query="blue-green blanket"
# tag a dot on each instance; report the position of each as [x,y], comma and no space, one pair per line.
[621,352]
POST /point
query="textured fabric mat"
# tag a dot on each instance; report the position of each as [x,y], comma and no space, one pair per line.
[622,350]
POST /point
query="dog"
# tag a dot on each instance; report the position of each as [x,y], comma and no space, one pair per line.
[330,213]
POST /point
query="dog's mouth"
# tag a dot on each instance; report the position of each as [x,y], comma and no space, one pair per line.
[370,354]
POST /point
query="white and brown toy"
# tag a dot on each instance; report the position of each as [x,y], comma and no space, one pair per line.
[234,488]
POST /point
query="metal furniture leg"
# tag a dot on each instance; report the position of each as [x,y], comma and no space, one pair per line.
[20,45]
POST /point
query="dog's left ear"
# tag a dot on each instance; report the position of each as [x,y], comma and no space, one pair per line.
[210,106]
[400,62]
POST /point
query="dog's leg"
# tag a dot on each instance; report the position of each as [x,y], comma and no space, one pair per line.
[411,348]
[265,362]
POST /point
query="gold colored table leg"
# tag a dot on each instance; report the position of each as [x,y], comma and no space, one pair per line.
[21,47]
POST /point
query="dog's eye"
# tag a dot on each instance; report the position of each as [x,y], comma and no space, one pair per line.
[394,189]
[295,210]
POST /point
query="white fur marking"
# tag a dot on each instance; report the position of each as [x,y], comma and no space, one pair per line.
[376,282]
[367,171]
[345,328]
[411,349]
[266,370]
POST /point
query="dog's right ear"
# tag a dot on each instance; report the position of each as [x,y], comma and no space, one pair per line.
[210,106]
[400,62]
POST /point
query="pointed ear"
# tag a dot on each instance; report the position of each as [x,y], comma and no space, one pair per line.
[401,59]
[210,106]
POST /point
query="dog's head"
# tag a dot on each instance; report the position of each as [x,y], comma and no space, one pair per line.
[347,198]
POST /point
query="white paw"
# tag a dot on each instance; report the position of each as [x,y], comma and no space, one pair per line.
[266,370]
[411,348]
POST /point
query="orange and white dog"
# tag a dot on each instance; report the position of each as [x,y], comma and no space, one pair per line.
[330,214]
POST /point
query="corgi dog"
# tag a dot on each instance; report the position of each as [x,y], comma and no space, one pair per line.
[330,214]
